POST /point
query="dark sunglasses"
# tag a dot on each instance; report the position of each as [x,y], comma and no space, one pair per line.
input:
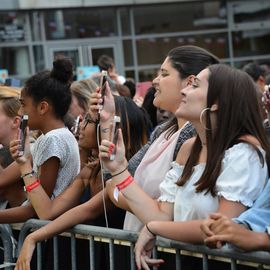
[88,120]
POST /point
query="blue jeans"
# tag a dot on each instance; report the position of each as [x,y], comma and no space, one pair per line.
[257,218]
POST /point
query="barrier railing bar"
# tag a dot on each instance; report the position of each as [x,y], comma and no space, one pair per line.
[132,257]
[73,252]
[111,252]
[91,253]
[55,253]
[155,255]
[177,260]
[257,256]
[205,261]
[233,264]
[253,257]
[39,257]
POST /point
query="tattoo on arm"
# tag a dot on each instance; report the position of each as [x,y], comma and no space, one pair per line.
[105,130]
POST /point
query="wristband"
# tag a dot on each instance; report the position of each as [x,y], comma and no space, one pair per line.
[147,227]
[125,183]
[119,172]
[32,186]
[121,186]
[28,175]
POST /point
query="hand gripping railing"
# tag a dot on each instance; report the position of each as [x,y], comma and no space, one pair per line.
[121,237]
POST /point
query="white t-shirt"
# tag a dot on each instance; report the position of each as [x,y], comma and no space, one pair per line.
[242,179]
[62,144]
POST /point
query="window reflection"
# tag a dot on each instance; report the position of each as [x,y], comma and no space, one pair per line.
[180,17]
[253,42]
[39,58]
[125,21]
[12,27]
[65,24]
[147,74]
[252,11]
[35,20]
[154,50]
[128,56]
[15,60]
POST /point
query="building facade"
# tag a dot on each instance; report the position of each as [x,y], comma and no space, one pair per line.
[136,33]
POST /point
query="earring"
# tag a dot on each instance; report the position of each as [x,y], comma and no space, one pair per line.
[201,118]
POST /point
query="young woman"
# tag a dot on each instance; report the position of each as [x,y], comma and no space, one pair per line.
[132,118]
[45,98]
[150,165]
[12,195]
[215,171]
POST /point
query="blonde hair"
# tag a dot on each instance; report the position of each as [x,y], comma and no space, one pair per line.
[10,100]
[82,90]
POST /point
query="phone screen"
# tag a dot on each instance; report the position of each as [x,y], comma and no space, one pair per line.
[116,126]
[23,125]
[102,85]
[76,127]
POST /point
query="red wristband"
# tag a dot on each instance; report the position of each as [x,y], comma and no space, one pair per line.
[32,186]
[125,183]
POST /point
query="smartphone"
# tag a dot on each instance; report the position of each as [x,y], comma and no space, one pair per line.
[76,129]
[23,125]
[115,129]
[102,86]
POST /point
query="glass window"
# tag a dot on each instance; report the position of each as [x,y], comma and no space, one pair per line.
[130,74]
[35,21]
[67,24]
[39,58]
[15,60]
[71,53]
[12,27]
[180,17]
[147,74]
[251,42]
[97,52]
[251,12]
[125,21]
[154,50]
[128,56]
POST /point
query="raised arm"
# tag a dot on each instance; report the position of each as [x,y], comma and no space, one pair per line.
[40,195]
[138,201]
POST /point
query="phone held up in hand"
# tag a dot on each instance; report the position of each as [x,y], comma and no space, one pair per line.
[115,129]
[23,125]
[102,86]
[76,127]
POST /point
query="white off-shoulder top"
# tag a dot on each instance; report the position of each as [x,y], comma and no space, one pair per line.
[242,179]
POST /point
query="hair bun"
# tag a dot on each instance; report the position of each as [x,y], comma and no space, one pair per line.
[62,69]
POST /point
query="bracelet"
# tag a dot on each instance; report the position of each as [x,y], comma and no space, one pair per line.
[119,172]
[32,186]
[28,175]
[125,183]
[146,225]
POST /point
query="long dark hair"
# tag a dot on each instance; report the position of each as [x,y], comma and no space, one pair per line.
[187,60]
[238,114]
[133,124]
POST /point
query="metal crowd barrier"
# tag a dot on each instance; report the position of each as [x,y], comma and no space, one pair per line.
[7,247]
[112,237]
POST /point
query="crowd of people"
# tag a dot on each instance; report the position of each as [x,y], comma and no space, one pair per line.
[190,163]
